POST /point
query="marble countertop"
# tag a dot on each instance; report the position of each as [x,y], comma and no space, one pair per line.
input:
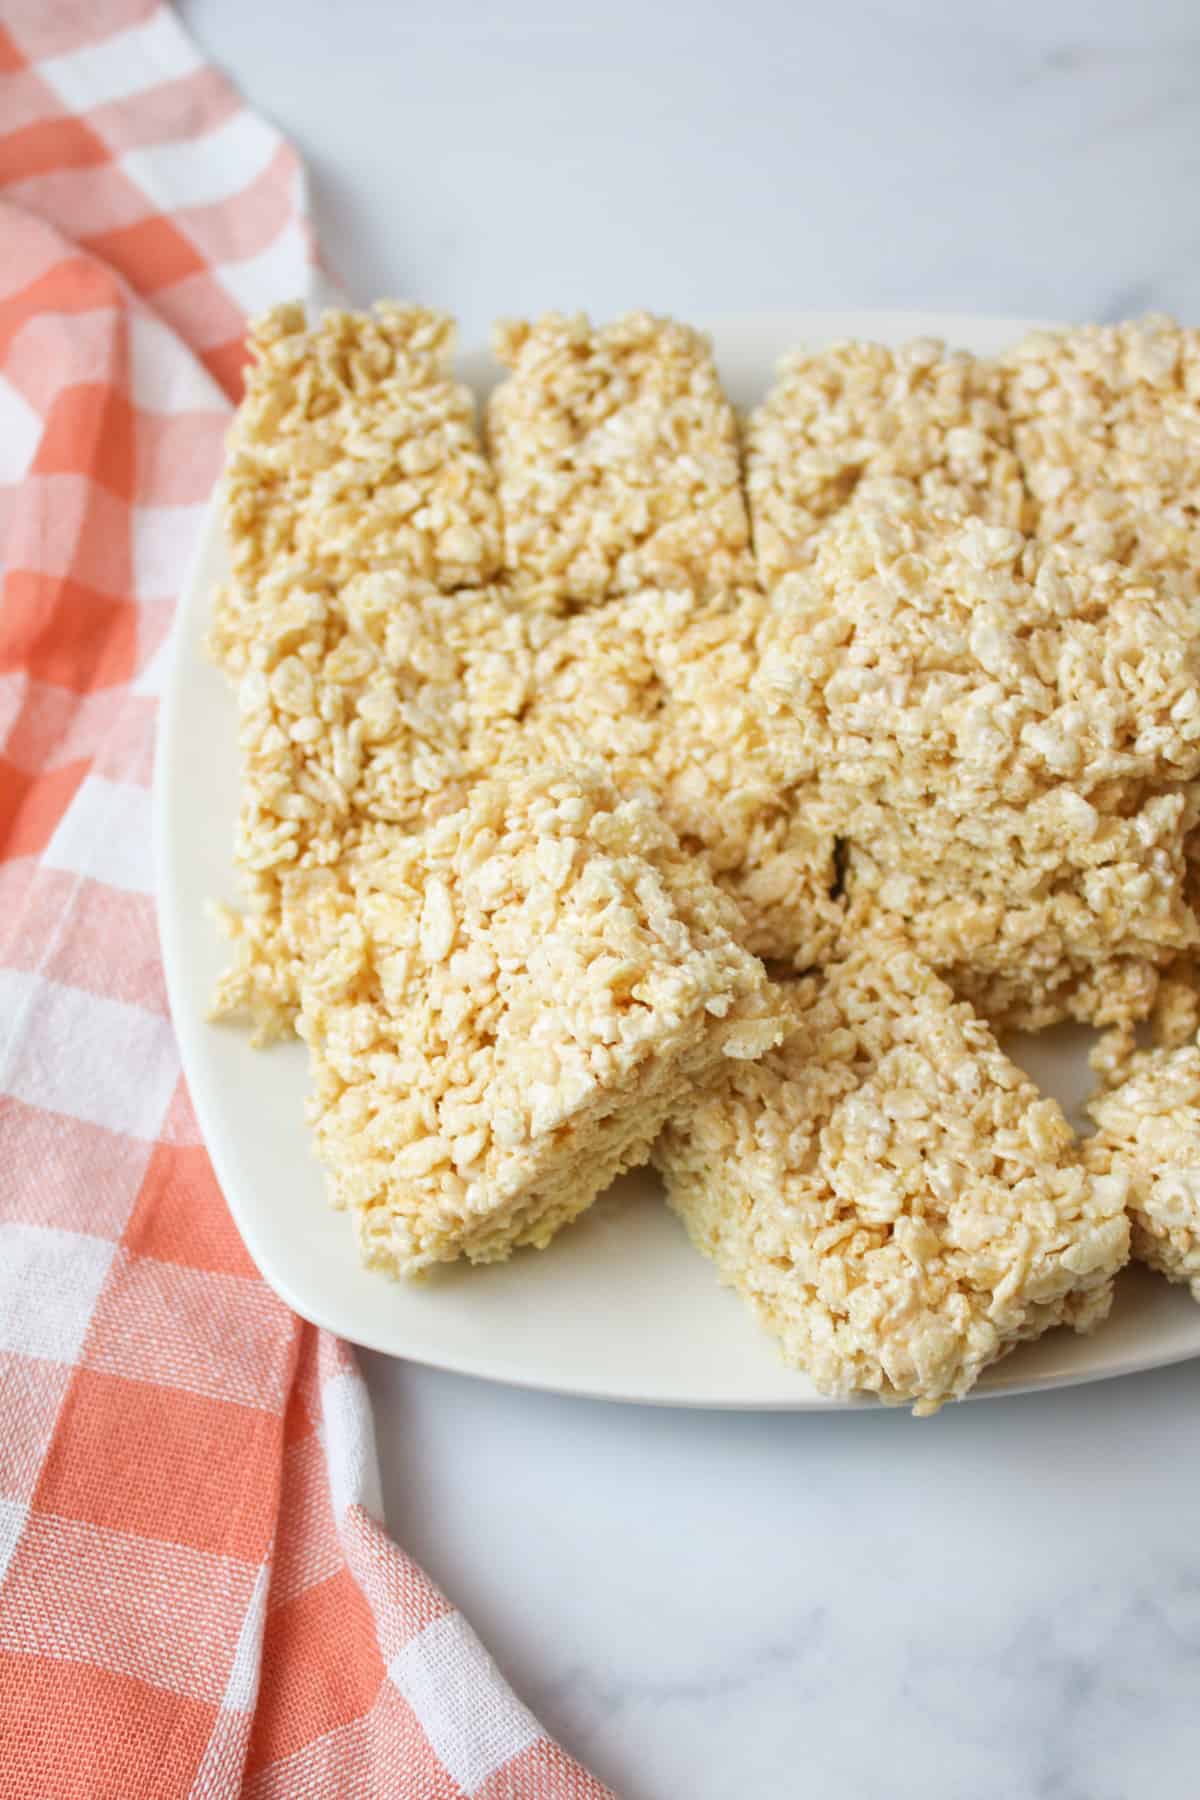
[1002,1603]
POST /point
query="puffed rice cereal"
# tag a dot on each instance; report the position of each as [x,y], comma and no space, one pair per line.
[502,1010]
[355,449]
[1106,423]
[842,422]
[1150,1135]
[385,702]
[1009,739]
[616,454]
[892,1196]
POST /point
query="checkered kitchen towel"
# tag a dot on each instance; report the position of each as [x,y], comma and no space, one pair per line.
[196,1594]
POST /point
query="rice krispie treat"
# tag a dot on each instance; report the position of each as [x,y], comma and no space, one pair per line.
[502,1011]
[1150,1134]
[1023,964]
[1102,991]
[1171,1020]
[352,712]
[893,1197]
[938,664]
[1033,928]
[841,422]
[616,456]
[659,685]
[1008,738]
[1128,847]
[355,449]
[1106,424]
[385,703]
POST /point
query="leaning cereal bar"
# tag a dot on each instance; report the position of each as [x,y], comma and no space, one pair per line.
[502,1011]
[889,1192]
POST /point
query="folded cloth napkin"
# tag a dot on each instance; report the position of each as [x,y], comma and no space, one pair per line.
[197,1595]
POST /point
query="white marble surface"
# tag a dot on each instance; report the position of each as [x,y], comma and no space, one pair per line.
[1002,1603]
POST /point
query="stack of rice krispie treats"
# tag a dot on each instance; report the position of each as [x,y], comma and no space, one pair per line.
[628,780]
[466,891]
[985,644]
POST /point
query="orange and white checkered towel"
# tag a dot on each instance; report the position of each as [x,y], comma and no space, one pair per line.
[196,1594]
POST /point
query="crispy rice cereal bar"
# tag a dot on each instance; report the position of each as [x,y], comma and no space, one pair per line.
[946,665]
[354,449]
[769,844]
[1106,423]
[889,1192]
[616,455]
[1131,844]
[1023,963]
[385,703]
[658,685]
[839,422]
[502,1011]
[347,718]
[1173,1017]
[1021,997]
[1019,967]
[1009,738]
[1032,930]
[1150,1133]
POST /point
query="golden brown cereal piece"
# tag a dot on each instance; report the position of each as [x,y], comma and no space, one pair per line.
[889,1192]
[841,423]
[1106,422]
[502,1010]
[354,449]
[1150,1134]
[616,456]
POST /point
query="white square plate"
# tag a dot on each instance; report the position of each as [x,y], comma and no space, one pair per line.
[619,1306]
